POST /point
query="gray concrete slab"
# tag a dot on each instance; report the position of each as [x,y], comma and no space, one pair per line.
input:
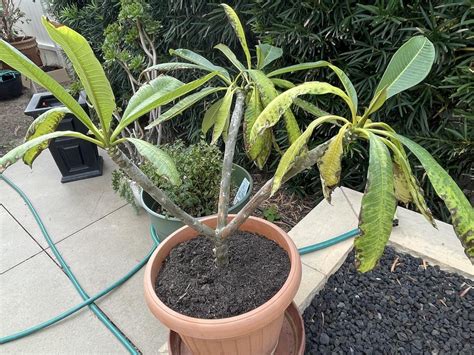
[15,244]
[102,253]
[322,223]
[311,282]
[37,290]
[64,208]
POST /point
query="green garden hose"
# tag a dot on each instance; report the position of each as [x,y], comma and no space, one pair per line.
[89,301]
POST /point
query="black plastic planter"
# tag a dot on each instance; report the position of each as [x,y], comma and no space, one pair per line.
[10,84]
[75,158]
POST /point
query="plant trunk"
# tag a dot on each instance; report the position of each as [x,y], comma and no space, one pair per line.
[221,252]
[220,245]
[159,195]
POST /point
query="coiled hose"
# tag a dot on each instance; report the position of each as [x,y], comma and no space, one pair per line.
[89,301]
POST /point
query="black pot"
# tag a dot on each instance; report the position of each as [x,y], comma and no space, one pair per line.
[75,158]
[10,84]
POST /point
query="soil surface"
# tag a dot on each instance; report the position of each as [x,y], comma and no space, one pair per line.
[13,122]
[190,283]
[403,306]
[284,208]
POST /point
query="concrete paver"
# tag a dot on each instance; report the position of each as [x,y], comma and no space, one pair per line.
[15,244]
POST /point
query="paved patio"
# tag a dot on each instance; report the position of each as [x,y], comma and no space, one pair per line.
[102,238]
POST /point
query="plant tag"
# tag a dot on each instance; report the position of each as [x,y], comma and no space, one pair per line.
[242,191]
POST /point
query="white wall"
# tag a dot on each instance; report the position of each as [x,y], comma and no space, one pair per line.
[34,11]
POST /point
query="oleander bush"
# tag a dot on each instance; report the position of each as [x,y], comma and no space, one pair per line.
[359,37]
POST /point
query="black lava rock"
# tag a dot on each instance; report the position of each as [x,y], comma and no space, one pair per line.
[412,310]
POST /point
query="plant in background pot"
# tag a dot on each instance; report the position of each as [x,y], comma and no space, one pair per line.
[10,17]
[198,165]
[224,282]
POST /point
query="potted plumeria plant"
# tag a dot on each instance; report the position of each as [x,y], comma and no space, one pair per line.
[223,283]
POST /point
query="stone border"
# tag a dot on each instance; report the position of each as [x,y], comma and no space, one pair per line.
[413,235]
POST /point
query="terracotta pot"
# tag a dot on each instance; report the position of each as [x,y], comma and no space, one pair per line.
[254,332]
[29,47]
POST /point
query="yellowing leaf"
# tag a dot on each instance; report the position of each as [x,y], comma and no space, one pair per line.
[294,151]
[210,116]
[267,93]
[88,69]
[17,153]
[280,104]
[329,164]
[377,209]
[239,31]
[43,124]
[222,115]
[462,213]
[402,188]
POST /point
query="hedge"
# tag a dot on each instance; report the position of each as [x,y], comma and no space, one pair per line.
[359,37]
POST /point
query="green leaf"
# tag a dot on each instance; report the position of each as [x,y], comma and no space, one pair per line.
[157,92]
[18,61]
[462,213]
[239,31]
[344,79]
[45,123]
[175,66]
[260,150]
[410,64]
[267,93]
[87,67]
[282,83]
[277,107]
[231,56]
[302,104]
[210,116]
[200,60]
[294,151]
[222,115]
[377,101]
[310,108]
[377,209]
[160,160]
[329,164]
[18,152]
[267,54]
[184,104]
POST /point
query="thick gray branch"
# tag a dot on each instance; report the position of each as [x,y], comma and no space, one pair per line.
[302,163]
[159,195]
[223,205]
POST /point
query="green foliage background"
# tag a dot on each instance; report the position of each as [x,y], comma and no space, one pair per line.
[357,36]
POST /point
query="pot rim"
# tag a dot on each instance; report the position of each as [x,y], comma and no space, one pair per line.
[25,38]
[252,317]
[174,219]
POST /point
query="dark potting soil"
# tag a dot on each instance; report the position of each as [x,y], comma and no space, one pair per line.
[412,310]
[190,283]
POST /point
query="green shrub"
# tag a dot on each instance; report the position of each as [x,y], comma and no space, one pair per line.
[199,166]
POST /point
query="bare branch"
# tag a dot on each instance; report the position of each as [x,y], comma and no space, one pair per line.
[159,195]
[223,204]
[302,163]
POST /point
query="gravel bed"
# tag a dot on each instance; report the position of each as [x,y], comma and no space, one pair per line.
[404,306]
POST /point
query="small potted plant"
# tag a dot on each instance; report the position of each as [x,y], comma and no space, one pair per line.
[198,165]
[223,283]
[10,16]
